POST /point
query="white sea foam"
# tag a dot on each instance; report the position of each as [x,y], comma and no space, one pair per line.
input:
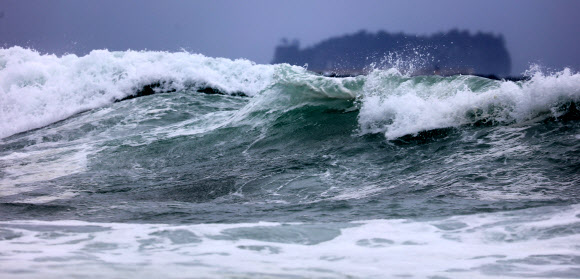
[25,172]
[397,105]
[36,89]
[539,242]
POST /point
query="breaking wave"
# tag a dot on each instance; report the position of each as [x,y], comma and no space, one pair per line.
[38,89]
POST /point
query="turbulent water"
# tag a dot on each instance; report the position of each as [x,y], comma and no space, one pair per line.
[285,173]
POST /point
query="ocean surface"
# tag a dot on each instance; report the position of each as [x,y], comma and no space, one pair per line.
[230,169]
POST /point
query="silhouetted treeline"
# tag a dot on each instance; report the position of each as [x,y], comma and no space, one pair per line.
[443,53]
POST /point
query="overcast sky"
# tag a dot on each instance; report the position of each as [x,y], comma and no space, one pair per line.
[544,31]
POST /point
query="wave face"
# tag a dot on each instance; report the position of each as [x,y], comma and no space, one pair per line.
[481,173]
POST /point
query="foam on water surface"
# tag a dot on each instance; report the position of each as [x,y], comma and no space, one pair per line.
[23,171]
[540,242]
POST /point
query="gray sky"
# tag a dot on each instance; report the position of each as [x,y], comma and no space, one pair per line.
[546,31]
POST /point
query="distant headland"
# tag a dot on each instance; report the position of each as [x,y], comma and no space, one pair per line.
[448,53]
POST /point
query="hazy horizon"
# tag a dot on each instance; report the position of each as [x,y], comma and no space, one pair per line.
[535,31]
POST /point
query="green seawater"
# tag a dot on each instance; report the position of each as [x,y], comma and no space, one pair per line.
[186,157]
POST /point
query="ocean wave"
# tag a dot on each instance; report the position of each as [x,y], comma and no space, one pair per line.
[39,89]
[398,105]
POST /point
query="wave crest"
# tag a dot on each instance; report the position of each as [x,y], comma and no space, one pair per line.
[37,89]
[397,105]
